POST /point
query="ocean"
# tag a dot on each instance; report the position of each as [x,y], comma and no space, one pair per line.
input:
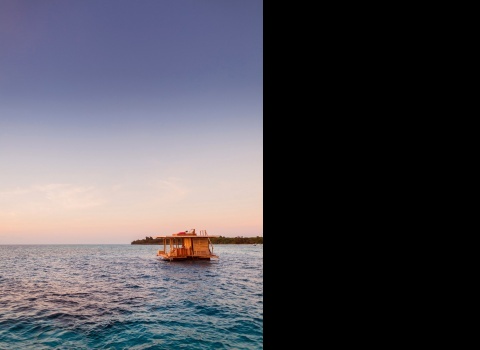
[125,297]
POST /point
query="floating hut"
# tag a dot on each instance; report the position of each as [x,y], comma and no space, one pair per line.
[186,245]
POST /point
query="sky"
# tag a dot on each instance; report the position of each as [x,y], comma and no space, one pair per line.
[125,119]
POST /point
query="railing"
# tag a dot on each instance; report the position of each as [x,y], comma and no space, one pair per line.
[210,246]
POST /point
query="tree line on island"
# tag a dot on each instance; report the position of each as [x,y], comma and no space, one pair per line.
[214,240]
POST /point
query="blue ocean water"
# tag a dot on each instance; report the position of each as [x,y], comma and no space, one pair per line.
[125,297]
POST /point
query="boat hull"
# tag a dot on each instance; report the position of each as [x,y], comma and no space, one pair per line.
[184,258]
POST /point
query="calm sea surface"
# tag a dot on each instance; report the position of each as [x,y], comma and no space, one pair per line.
[124,297]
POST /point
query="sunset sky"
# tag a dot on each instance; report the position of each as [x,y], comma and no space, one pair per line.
[121,119]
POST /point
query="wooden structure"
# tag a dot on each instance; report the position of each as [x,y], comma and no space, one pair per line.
[186,245]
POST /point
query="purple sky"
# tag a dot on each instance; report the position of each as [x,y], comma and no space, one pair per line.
[122,118]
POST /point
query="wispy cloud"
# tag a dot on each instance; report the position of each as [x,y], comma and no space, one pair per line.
[50,196]
[15,192]
[171,189]
[71,196]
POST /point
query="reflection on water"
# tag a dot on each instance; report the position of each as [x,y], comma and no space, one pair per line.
[124,296]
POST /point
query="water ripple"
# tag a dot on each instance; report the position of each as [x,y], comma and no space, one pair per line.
[124,297]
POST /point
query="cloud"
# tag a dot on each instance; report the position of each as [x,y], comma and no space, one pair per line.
[15,192]
[48,197]
[70,196]
[171,189]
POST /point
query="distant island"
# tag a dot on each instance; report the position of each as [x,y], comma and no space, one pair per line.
[214,240]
